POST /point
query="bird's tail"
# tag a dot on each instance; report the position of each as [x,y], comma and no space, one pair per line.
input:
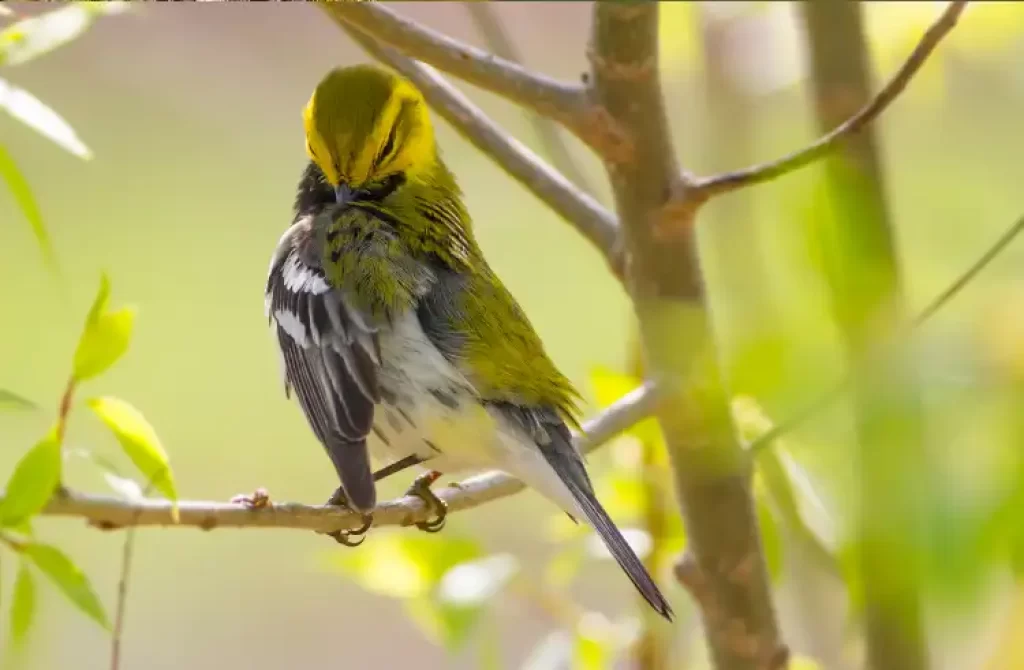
[619,548]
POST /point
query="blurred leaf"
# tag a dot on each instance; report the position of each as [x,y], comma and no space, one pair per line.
[678,36]
[67,577]
[139,441]
[622,493]
[462,594]
[562,569]
[803,663]
[33,481]
[440,579]
[786,484]
[638,539]
[23,527]
[553,652]
[848,557]
[473,583]
[771,542]
[609,386]
[490,648]
[23,604]
[446,625]
[26,202]
[129,489]
[11,400]
[32,37]
[38,116]
[105,337]
[403,565]
[594,643]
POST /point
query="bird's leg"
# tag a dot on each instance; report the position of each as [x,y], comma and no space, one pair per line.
[354,538]
[396,467]
[349,538]
[421,489]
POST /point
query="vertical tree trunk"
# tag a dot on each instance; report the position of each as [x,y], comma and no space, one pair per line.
[865,284]
[725,570]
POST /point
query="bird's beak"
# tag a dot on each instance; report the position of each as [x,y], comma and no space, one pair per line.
[342,193]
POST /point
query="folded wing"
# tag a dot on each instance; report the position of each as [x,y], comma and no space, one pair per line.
[331,359]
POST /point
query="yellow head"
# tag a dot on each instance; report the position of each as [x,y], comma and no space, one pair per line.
[364,123]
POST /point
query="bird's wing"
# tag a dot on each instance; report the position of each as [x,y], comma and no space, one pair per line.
[550,434]
[331,359]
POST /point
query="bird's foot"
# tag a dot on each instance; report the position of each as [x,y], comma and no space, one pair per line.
[421,489]
[349,538]
[258,499]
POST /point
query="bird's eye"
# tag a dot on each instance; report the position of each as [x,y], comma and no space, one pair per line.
[389,145]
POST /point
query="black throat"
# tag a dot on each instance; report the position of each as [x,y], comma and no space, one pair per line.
[315,194]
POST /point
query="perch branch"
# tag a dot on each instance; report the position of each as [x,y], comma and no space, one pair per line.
[730,181]
[109,513]
[595,222]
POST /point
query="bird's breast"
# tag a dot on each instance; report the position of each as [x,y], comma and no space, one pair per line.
[427,407]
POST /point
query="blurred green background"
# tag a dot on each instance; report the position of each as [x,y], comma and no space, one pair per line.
[192,114]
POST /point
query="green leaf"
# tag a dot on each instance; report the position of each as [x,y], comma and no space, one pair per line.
[139,441]
[563,567]
[105,337]
[610,386]
[22,193]
[23,604]
[402,565]
[594,642]
[803,663]
[33,481]
[771,539]
[445,625]
[38,116]
[32,37]
[9,399]
[67,577]
[458,601]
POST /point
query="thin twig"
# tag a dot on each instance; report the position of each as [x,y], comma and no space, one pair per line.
[493,31]
[122,599]
[562,101]
[111,513]
[937,303]
[127,552]
[595,222]
[730,181]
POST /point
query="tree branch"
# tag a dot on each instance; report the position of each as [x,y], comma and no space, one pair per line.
[595,222]
[109,513]
[493,31]
[567,103]
[730,181]
[725,570]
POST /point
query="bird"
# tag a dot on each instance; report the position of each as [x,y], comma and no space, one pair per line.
[397,338]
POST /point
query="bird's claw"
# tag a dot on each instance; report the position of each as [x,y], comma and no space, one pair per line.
[421,489]
[258,499]
[349,538]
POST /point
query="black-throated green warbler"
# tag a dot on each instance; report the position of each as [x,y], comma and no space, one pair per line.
[394,330]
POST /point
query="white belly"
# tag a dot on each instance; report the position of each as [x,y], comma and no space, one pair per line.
[437,416]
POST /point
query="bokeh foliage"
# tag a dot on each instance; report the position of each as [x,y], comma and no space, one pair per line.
[453,587]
